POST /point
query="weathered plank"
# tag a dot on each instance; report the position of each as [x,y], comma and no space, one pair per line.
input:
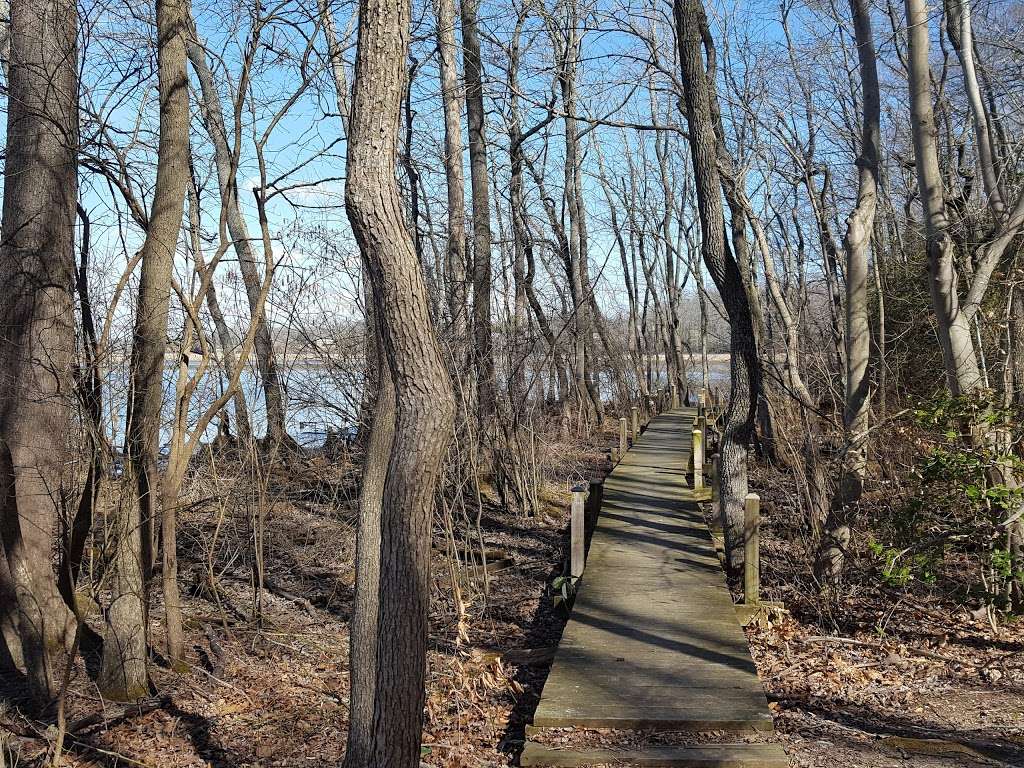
[653,642]
[706,756]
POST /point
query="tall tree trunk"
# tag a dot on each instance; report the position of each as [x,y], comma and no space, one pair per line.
[363,625]
[961,34]
[475,118]
[962,371]
[37,328]
[451,95]
[857,245]
[577,266]
[96,445]
[1016,336]
[694,39]
[123,669]
[423,395]
[226,162]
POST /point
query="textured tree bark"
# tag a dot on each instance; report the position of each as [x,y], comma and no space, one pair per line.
[363,625]
[475,117]
[857,244]
[693,37]
[123,668]
[451,95]
[1016,337]
[5,37]
[11,657]
[423,395]
[227,168]
[37,330]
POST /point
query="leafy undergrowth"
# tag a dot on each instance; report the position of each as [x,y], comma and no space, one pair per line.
[882,674]
[917,676]
[276,693]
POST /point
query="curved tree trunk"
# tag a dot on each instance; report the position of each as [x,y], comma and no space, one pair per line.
[745,382]
[423,394]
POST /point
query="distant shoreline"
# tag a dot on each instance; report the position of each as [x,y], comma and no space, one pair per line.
[171,356]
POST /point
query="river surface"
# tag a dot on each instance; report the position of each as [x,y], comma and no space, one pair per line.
[320,399]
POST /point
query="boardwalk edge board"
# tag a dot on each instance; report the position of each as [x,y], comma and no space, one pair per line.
[704,756]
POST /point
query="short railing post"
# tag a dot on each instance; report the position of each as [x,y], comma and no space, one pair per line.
[577,531]
[675,397]
[751,549]
[636,422]
[698,460]
[623,436]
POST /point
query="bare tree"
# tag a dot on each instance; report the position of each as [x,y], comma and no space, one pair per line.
[483,350]
[123,672]
[451,96]
[857,243]
[694,41]
[954,314]
[226,159]
[424,409]
[37,329]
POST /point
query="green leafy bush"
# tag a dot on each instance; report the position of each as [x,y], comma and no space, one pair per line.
[964,497]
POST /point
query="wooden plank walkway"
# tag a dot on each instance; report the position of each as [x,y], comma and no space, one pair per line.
[653,642]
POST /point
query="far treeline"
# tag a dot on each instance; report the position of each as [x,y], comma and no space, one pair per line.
[495,225]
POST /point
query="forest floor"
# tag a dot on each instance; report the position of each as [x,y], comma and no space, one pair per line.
[915,678]
[881,675]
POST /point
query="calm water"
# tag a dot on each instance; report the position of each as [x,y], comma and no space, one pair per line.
[320,399]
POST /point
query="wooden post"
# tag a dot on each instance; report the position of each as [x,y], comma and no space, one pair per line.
[698,460]
[701,402]
[751,549]
[636,423]
[717,519]
[675,397]
[577,531]
[623,437]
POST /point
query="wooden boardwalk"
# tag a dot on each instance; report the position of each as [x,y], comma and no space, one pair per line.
[653,642]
